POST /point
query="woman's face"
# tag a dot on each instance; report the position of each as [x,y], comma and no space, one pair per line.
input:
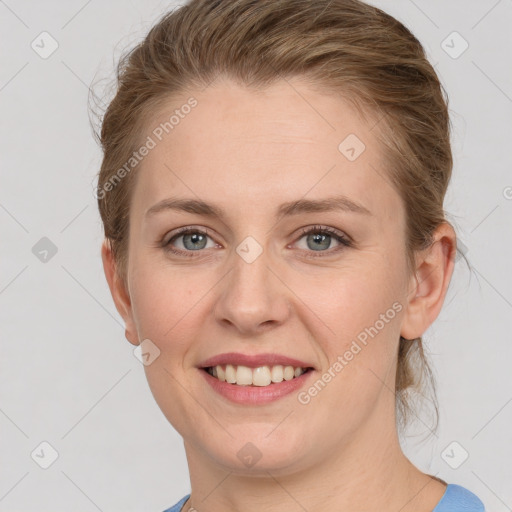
[255,284]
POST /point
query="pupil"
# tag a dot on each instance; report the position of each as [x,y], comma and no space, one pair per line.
[319,238]
[195,238]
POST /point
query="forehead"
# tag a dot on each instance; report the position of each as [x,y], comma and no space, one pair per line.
[244,146]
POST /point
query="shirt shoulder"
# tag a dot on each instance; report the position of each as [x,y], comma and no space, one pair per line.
[459,499]
[177,506]
[455,499]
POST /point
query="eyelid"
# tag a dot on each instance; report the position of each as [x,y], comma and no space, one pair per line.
[184,230]
[326,229]
[344,240]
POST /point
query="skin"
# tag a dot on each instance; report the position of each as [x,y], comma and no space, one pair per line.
[248,152]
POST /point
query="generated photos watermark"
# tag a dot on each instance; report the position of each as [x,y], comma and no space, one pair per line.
[150,143]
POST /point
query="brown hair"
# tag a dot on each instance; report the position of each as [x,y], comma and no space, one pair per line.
[345,47]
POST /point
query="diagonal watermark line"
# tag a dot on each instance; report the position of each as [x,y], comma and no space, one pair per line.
[13,217]
[300,299]
[385,178]
[215,488]
[74,218]
[508,507]
[197,302]
[209,84]
[14,485]
[501,409]
[81,491]
[492,211]
[13,13]
[76,14]
[494,288]
[104,395]
[198,403]
[14,76]
[14,423]
[485,15]
[13,279]
[286,491]
[411,410]
[383,115]
[334,129]
[429,482]
[178,177]
[305,194]
[93,297]
[424,13]
[279,423]
[75,74]
[492,81]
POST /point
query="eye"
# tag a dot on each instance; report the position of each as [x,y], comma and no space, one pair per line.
[319,238]
[193,240]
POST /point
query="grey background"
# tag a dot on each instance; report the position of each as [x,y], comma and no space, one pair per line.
[69,377]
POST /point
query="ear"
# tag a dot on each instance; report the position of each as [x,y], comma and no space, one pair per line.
[434,268]
[119,292]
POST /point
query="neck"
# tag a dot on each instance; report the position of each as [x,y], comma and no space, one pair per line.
[369,472]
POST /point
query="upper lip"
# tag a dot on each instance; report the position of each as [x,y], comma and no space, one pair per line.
[253,361]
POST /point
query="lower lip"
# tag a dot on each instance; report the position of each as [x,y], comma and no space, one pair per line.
[255,395]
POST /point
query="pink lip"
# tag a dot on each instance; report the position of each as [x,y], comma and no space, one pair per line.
[255,395]
[254,361]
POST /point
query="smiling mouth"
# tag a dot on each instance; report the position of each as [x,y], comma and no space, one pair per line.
[261,376]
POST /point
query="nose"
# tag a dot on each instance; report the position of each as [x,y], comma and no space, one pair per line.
[253,298]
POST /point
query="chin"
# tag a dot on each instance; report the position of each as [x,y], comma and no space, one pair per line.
[259,454]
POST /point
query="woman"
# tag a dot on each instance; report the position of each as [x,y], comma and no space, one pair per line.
[272,197]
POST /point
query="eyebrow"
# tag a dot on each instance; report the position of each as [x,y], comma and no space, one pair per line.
[334,203]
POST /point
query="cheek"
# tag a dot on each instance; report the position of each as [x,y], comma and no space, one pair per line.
[360,315]
[349,301]
[359,347]
[166,304]
[172,307]
[163,304]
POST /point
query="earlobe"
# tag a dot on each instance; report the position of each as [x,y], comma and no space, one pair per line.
[430,283]
[119,292]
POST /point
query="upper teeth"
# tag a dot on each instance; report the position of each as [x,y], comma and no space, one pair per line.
[260,376]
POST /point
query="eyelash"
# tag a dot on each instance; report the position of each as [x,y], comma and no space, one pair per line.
[344,241]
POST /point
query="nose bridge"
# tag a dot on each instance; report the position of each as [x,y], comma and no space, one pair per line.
[251,266]
[252,294]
